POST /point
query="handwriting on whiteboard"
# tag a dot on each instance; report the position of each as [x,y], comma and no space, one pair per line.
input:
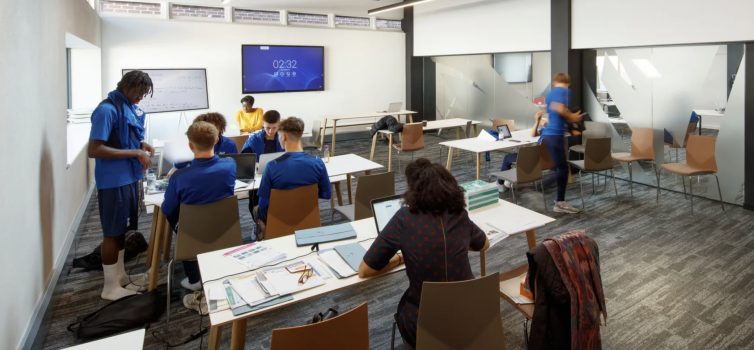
[176,90]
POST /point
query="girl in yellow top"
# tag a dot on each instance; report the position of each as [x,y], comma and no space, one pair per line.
[249,118]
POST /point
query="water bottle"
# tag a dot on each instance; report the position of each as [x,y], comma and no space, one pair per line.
[151,181]
[327,154]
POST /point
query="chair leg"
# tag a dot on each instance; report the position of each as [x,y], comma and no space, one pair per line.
[604,184]
[684,188]
[614,184]
[691,193]
[513,193]
[657,173]
[544,199]
[631,178]
[171,264]
[526,333]
[593,183]
[719,192]
[581,184]
[392,341]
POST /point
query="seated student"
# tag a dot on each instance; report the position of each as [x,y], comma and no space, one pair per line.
[208,179]
[434,234]
[509,159]
[249,118]
[223,145]
[294,169]
[267,141]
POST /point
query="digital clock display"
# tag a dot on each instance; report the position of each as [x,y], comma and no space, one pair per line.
[282,68]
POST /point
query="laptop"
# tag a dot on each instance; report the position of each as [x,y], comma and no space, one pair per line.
[266,158]
[394,107]
[383,210]
[503,132]
[245,165]
[232,129]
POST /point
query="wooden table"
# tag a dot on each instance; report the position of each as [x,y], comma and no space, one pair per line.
[456,123]
[215,268]
[161,237]
[126,341]
[478,146]
[336,118]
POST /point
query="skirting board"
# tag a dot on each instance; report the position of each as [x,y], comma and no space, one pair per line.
[36,331]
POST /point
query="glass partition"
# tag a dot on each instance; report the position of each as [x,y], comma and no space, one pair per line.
[674,91]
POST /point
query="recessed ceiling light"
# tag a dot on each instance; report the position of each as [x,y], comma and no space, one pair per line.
[396,6]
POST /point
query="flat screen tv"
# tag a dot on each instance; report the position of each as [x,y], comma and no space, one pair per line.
[279,68]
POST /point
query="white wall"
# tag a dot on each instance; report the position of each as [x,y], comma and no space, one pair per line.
[462,27]
[86,78]
[621,23]
[365,69]
[40,197]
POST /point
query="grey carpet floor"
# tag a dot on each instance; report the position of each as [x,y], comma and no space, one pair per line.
[672,280]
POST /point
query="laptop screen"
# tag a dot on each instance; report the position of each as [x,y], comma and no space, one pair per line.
[245,165]
[503,132]
[384,209]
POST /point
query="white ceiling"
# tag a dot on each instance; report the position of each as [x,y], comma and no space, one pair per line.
[340,7]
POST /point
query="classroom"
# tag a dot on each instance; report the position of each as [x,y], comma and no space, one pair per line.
[377,174]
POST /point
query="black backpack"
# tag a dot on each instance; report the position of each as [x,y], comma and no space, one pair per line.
[128,313]
[135,244]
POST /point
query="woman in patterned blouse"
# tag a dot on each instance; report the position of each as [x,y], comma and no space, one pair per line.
[433,233]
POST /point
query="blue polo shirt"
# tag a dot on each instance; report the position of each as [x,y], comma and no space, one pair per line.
[292,170]
[255,144]
[111,173]
[556,126]
[207,180]
[223,146]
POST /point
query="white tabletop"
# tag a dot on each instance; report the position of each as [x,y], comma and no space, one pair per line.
[337,166]
[214,266]
[368,115]
[442,124]
[126,341]
[477,145]
[708,112]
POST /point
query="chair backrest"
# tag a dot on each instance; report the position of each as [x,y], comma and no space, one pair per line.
[207,227]
[292,210]
[529,164]
[413,137]
[700,153]
[689,131]
[372,187]
[461,315]
[240,141]
[349,330]
[544,154]
[316,126]
[642,143]
[597,155]
[468,129]
[511,124]
[593,130]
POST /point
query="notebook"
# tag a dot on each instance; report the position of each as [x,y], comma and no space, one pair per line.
[325,234]
[352,253]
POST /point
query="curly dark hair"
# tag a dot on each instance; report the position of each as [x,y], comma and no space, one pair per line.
[248,99]
[136,78]
[215,119]
[432,189]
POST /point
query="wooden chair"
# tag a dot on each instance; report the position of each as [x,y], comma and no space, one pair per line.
[700,160]
[461,315]
[314,144]
[413,140]
[292,210]
[528,169]
[369,187]
[349,330]
[510,122]
[642,150]
[202,229]
[596,158]
[240,141]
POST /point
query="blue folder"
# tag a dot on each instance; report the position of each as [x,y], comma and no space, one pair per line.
[325,234]
[352,253]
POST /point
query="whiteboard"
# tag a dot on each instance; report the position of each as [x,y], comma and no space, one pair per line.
[175,90]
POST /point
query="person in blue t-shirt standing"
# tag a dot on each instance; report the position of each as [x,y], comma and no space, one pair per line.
[294,169]
[208,179]
[558,102]
[116,142]
[223,145]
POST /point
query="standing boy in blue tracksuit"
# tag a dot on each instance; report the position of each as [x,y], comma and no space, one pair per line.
[208,179]
[294,169]
[116,142]
[223,145]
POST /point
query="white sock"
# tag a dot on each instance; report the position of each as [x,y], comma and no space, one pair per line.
[123,278]
[195,287]
[112,289]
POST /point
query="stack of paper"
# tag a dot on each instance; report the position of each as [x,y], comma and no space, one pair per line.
[255,255]
[285,279]
[478,194]
[334,261]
